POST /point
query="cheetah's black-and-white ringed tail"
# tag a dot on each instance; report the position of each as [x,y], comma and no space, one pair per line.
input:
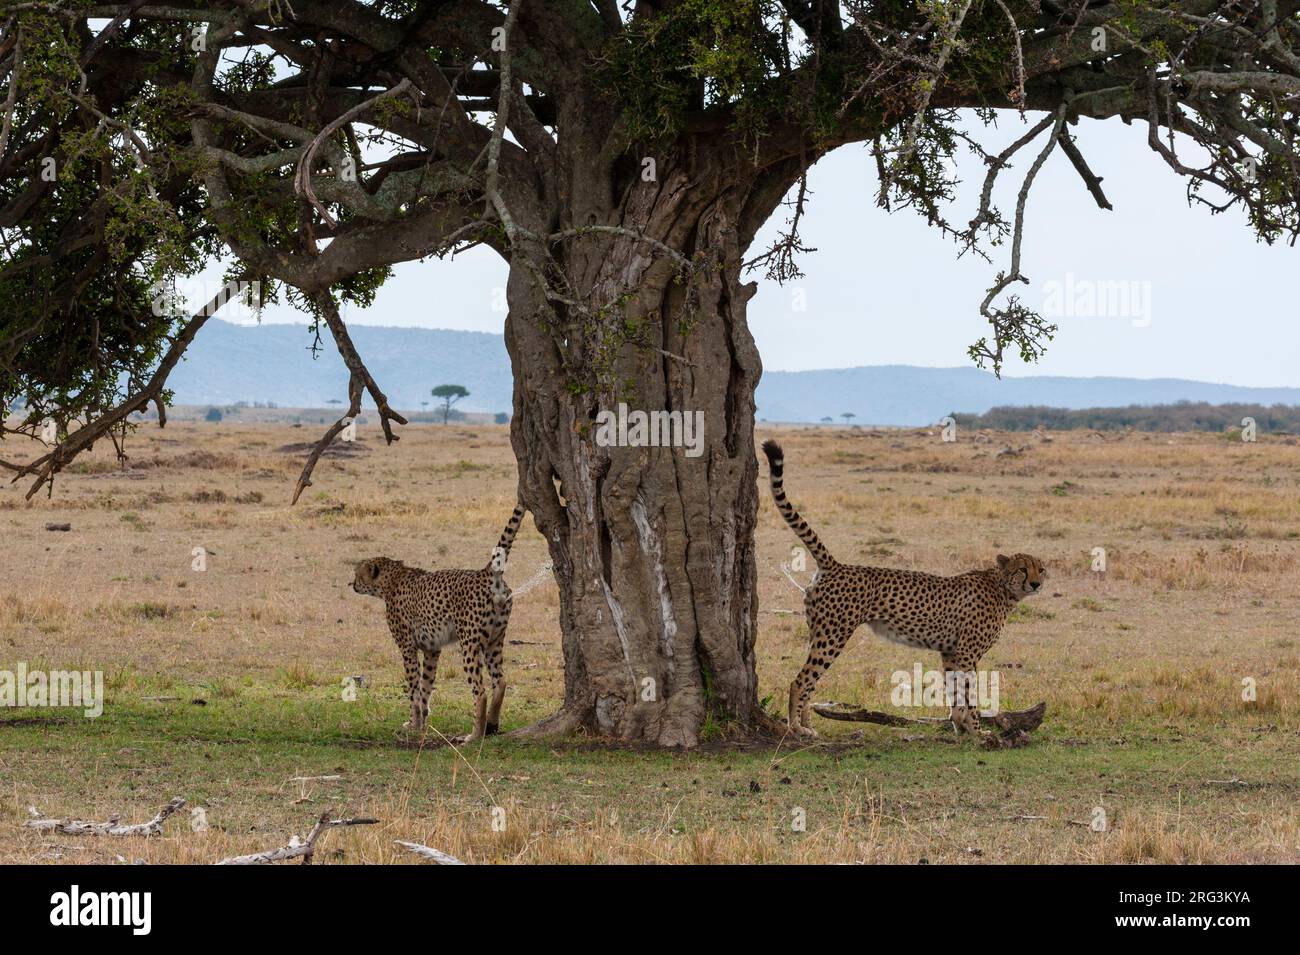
[776,470]
[508,536]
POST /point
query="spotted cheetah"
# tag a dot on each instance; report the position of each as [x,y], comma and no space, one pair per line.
[427,610]
[959,616]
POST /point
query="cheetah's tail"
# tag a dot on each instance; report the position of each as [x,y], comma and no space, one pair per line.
[776,467]
[502,551]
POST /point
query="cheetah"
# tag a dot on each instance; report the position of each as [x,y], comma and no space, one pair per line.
[961,616]
[428,610]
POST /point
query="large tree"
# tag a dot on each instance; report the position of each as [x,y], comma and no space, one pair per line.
[621,158]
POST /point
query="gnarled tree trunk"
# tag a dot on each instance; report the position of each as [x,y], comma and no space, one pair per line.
[652,546]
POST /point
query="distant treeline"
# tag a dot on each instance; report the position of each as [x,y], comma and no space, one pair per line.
[1183,416]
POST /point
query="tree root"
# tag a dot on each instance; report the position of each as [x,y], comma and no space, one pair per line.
[560,723]
[761,729]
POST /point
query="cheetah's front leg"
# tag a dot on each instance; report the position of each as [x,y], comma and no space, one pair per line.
[960,680]
[428,678]
[411,666]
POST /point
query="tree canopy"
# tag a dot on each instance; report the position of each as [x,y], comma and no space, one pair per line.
[313,145]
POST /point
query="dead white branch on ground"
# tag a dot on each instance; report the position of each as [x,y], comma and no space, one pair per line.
[110,827]
[426,852]
[1014,724]
[297,847]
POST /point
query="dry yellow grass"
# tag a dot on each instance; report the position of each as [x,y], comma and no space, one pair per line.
[1142,668]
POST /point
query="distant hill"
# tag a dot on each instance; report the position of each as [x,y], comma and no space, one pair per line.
[908,395]
[230,363]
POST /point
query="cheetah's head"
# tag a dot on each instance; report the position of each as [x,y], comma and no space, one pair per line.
[1021,574]
[371,573]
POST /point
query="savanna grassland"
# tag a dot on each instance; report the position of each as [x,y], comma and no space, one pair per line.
[224,685]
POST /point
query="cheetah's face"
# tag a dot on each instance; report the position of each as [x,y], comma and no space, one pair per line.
[1022,574]
[369,574]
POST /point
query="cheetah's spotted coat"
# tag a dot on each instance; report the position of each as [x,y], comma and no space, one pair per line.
[427,610]
[961,616]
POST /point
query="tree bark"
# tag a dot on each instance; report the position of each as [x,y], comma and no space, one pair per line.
[652,547]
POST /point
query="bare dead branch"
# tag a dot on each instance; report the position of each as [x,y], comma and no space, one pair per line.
[360,380]
[110,827]
[426,852]
[354,408]
[304,848]
[1015,725]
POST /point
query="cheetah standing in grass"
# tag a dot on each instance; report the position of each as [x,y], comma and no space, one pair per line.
[427,610]
[960,616]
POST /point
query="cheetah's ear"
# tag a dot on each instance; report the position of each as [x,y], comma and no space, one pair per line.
[1003,560]
[373,569]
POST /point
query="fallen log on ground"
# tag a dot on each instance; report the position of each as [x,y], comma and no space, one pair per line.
[1014,724]
[110,827]
[296,847]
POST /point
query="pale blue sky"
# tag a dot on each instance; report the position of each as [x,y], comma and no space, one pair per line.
[887,289]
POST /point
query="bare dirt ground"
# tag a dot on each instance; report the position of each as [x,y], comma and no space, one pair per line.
[224,685]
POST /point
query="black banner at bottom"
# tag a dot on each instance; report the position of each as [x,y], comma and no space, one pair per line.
[138,905]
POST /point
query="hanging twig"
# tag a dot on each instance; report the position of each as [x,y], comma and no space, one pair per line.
[360,380]
[1090,179]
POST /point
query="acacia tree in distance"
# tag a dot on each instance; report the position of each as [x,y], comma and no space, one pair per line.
[450,394]
[648,141]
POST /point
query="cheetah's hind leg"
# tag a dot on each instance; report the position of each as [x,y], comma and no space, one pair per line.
[497,681]
[473,659]
[825,643]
